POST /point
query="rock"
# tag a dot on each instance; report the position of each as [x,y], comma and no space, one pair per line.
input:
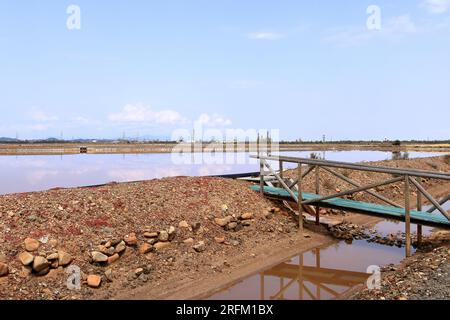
[219,239]
[120,247]
[43,272]
[151,234]
[25,272]
[4,270]
[115,242]
[109,275]
[196,226]
[113,258]
[268,214]
[232,226]
[130,239]
[163,236]
[172,232]
[99,257]
[40,264]
[109,251]
[247,216]
[53,256]
[152,241]
[224,208]
[31,244]
[189,241]
[54,264]
[200,247]
[26,258]
[161,245]
[145,248]
[138,272]
[223,221]
[94,281]
[183,224]
[143,277]
[246,223]
[64,258]
[53,243]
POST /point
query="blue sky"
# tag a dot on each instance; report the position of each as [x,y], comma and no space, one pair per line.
[307,68]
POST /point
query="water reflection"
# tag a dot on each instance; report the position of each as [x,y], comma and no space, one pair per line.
[34,173]
[320,274]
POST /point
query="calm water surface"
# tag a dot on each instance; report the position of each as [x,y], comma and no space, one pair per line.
[35,173]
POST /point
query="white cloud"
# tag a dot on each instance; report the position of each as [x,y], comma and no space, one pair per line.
[265,36]
[141,113]
[39,115]
[214,120]
[436,6]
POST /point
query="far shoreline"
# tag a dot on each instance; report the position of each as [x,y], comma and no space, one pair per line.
[69,148]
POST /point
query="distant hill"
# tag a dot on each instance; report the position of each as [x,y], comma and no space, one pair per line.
[5,139]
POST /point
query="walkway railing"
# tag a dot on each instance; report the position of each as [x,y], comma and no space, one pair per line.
[410,177]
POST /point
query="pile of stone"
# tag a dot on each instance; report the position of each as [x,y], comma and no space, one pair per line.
[157,240]
[40,263]
[109,251]
[235,222]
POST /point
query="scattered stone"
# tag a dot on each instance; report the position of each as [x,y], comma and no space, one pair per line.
[64,258]
[247,216]
[224,208]
[99,257]
[172,232]
[161,245]
[31,244]
[53,243]
[138,272]
[25,272]
[145,248]
[232,226]
[163,236]
[219,239]
[189,241]
[183,224]
[40,264]
[26,258]
[151,234]
[223,221]
[120,247]
[152,241]
[94,281]
[4,270]
[53,256]
[113,258]
[109,275]
[130,239]
[268,214]
[246,223]
[196,227]
[200,247]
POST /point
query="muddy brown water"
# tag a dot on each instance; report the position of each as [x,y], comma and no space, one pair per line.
[324,273]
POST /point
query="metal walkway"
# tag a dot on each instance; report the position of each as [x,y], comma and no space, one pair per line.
[419,217]
[272,183]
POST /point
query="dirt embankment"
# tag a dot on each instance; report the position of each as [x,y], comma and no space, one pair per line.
[424,276]
[146,240]
[127,235]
